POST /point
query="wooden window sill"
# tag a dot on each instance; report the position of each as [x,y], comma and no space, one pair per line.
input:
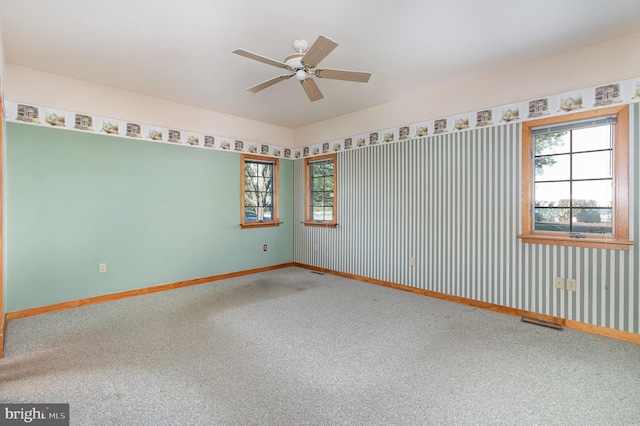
[321,224]
[259,225]
[589,242]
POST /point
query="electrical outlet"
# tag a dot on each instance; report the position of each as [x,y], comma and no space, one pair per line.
[264,247]
[102,267]
[412,261]
[559,283]
[571,284]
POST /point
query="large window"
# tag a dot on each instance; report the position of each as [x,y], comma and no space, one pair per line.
[320,193]
[575,179]
[259,191]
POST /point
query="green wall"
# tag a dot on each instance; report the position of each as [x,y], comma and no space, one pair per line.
[154,213]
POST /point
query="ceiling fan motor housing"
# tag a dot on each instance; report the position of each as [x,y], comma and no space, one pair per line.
[294,61]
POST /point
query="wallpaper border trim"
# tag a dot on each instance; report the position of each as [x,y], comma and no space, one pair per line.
[591,98]
[19,112]
[595,97]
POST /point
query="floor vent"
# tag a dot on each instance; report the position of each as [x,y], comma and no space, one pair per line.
[317,273]
[542,322]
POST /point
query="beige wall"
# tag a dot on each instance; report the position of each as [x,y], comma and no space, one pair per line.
[55,91]
[602,63]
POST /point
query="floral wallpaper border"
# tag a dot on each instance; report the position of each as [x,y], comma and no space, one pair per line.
[626,91]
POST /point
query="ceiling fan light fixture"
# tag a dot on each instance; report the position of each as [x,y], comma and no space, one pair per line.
[301,75]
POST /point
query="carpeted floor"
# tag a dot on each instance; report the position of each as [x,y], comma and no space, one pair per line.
[292,347]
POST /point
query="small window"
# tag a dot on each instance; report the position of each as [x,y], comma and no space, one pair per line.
[320,193]
[259,191]
[575,179]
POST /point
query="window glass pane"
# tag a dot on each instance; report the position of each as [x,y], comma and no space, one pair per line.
[552,143]
[318,184]
[592,165]
[326,183]
[328,169]
[553,194]
[552,219]
[328,213]
[592,138]
[596,193]
[593,221]
[323,213]
[250,169]
[554,167]
[266,170]
[317,198]
[322,169]
[268,213]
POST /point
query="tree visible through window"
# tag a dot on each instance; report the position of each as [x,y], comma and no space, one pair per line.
[259,191]
[321,190]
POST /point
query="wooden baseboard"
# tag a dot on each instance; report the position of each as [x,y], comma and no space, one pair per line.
[138,292]
[571,324]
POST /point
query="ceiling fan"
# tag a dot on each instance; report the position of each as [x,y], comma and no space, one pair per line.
[303,64]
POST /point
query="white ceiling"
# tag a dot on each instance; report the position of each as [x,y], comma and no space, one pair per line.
[181,50]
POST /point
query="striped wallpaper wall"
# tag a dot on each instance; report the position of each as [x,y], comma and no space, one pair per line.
[452,202]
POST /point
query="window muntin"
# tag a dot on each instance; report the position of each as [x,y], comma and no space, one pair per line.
[555,186]
[259,191]
[320,192]
[573,177]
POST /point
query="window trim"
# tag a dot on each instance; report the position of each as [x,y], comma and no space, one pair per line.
[620,238]
[275,218]
[308,217]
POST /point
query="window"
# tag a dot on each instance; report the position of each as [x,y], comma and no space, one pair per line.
[320,192]
[259,191]
[575,180]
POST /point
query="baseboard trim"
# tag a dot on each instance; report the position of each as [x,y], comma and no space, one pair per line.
[571,324]
[137,292]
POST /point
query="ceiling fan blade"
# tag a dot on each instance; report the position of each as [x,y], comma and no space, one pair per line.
[261,58]
[269,83]
[312,90]
[360,77]
[318,51]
